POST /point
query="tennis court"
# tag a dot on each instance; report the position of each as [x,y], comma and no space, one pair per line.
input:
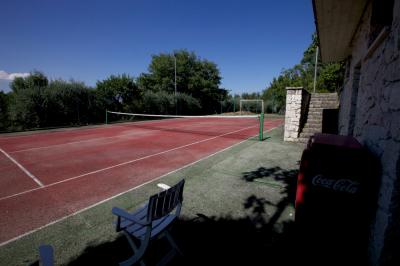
[47,176]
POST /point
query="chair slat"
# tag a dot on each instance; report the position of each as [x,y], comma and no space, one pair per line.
[158,212]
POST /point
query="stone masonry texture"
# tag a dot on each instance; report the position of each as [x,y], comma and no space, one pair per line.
[373,117]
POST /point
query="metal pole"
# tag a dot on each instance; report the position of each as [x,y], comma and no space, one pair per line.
[106,117]
[261,137]
[315,70]
[176,100]
[262,106]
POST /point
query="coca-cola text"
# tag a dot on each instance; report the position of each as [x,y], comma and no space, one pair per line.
[342,185]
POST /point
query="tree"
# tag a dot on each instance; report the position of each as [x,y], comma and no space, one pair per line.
[162,102]
[275,95]
[27,107]
[4,112]
[250,96]
[195,77]
[330,75]
[69,103]
[37,102]
[117,93]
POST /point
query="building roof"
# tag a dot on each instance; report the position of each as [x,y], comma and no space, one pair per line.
[337,22]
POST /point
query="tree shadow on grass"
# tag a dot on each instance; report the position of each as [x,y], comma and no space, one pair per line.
[230,241]
[206,241]
[277,177]
[250,240]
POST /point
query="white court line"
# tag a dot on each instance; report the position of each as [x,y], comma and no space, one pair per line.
[23,169]
[69,129]
[41,132]
[126,191]
[95,139]
[122,164]
[79,141]
[87,140]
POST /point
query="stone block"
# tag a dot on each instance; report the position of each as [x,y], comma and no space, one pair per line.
[390,158]
[377,238]
[394,102]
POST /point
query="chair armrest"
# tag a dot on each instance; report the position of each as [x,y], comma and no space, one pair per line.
[124,214]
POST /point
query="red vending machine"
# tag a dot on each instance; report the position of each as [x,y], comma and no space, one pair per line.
[335,200]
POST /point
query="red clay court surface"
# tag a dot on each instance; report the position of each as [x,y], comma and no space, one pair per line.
[49,175]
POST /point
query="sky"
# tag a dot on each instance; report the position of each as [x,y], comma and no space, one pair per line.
[250,41]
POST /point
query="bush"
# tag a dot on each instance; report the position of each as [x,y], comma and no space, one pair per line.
[165,103]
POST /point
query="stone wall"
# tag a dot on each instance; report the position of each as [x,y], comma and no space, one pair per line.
[370,111]
[293,119]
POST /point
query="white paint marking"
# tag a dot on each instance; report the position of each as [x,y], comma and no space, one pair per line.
[92,139]
[119,194]
[23,169]
[103,138]
[122,164]
[79,141]
[44,132]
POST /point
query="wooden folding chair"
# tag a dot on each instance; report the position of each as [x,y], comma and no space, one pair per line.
[151,222]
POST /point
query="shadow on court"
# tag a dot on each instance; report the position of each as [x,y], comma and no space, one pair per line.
[257,238]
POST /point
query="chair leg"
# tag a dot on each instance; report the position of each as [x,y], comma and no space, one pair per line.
[173,243]
[171,254]
[137,252]
[167,258]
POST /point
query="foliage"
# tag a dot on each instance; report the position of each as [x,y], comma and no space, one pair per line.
[163,102]
[329,79]
[195,77]
[187,104]
[160,102]
[27,108]
[68,103]
[4,115]
[37,102]
[275,95]
[250,96]
[117,93]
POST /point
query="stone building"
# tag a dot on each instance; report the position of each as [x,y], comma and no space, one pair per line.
[365,34]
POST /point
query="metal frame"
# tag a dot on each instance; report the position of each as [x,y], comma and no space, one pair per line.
[252,100]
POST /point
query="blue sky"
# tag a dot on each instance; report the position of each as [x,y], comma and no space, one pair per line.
[250,41]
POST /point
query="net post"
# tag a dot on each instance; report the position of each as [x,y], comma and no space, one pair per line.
[261,137]
[106,117]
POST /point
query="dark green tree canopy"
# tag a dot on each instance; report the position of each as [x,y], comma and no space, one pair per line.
[194,76]
[37,102]
[117,93]
[4,112]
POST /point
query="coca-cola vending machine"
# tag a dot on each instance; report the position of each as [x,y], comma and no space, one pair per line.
[335,200]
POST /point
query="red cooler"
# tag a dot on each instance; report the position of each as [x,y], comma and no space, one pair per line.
[335,200]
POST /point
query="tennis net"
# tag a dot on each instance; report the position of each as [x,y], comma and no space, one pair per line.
[212,125]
